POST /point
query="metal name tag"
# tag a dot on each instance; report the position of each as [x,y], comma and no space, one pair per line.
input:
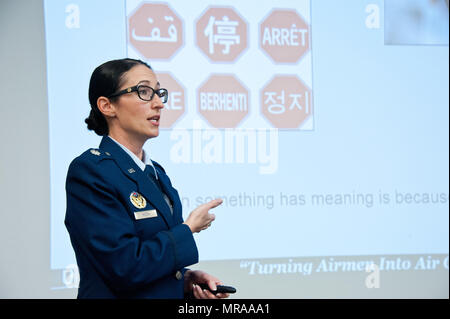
[145,214]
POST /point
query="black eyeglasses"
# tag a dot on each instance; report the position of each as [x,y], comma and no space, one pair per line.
[144,92]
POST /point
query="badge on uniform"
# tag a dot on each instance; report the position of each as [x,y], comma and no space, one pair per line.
[95,152]
[138,200]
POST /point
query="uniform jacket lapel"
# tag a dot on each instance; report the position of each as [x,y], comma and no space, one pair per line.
[172,193]
[145,187]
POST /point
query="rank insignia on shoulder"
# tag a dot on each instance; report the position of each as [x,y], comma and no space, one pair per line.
[138,200]
[95,152]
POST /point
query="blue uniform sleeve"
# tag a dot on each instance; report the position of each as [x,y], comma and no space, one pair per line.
[102,231]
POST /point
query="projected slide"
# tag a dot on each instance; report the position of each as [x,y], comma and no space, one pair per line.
[324,133]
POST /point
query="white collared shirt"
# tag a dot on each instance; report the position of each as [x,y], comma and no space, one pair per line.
[146,159]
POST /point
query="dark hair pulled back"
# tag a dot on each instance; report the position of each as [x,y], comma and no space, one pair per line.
[106,80]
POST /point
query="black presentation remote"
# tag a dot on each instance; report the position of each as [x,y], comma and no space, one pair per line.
[220,289]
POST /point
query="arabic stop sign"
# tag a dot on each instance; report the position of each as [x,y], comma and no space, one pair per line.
[176,104]
[284,36]
[221,34]
[223,101]
[155,31]
[286,102]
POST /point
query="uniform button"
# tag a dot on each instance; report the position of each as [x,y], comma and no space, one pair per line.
[178,275]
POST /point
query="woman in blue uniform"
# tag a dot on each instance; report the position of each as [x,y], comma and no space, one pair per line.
[123,215]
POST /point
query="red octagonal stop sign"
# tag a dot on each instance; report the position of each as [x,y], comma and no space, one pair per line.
[176,104]
[221,34]
[286,102]
[223,101]
[284,36]
[155,31]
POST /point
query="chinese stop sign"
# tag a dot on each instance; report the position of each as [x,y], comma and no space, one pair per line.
[284,36]
[286,102]
[221,34]
[176,104]
[155,31]
[223,101]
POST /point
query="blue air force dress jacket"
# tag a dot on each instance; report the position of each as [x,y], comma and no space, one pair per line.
[127,242]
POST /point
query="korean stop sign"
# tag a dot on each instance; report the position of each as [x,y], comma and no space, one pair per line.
[286,101]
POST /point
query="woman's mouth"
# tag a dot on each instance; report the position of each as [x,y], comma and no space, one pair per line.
[154,120]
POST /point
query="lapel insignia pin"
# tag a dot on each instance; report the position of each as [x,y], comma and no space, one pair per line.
[138,200]
[95,152]
[131,170]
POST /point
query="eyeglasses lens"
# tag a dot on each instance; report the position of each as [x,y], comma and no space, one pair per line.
[146,93]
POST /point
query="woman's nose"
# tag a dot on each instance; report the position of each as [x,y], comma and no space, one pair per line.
[157,102]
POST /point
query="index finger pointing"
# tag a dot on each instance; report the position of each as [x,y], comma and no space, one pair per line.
[214,203]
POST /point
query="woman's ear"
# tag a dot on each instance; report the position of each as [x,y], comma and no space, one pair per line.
[105,107]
